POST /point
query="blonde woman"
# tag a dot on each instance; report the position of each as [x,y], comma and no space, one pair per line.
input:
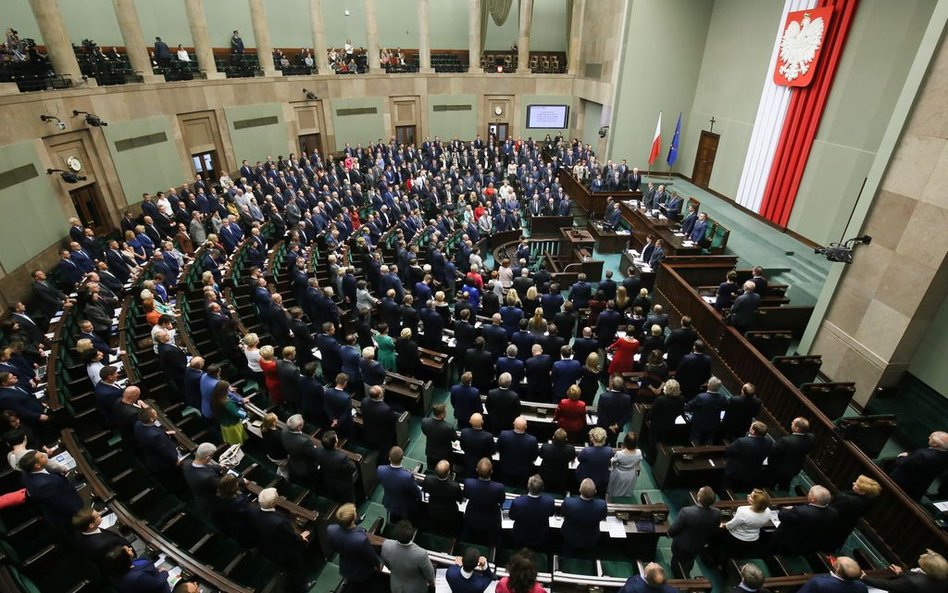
[273,444]
[594,460]
[743,531]
[532,299]
[269,367]
[250,345]
[537,324]
[589,383]
[622,299]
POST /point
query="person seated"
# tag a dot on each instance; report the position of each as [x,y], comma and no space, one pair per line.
[931,576]
[653,581]
[129,574]
[843,579]
[752,580]
[91,538]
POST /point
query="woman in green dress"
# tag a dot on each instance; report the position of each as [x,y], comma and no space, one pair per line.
[385,348]
[228,415]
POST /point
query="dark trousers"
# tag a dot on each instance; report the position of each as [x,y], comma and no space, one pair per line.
[684,559]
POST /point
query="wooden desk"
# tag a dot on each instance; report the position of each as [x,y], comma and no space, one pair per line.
[642,225]
[608,241]
[576,240]
[688,467]
[548,225]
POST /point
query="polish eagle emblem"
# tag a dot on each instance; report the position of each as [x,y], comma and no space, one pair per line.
[800,46]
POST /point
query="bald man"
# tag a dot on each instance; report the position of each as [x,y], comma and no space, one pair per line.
[843,579]
[476,443]
[653,581]
[518,450]
[444,494]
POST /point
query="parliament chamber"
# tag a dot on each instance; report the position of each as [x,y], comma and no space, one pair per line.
[410,295]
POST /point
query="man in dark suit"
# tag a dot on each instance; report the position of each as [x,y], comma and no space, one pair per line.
[444,494]
[93,540]
[928,578]
[538,370]
[158,450]
[744,308]
[581,517]
[518,450]
[706,413]
[790,453]
[495,337]
[302,454]
[402,495]
[752,580]
[482,519]
[566,372]
[653,581]
[173,360]
[843,579]
[17,399]
[302,339]
[745,459]
[359,564]
[329,349]
[465,400]
[503,405]
[693,370]
[51,299]
[433,324]
[55,494]
[584,345]
[439,435]
[476,443]
[378,422]
[473,575]
[191,391]
[693,529]
[284,546]
[581,292]
[371,370]
[614,410]
[338,406]
[336,470]
[531,514]
[202,475]
[607,324]
[679,342]
[740,412]
[915,472]
[480,363]
[806,529]
[279,321]
[512,365]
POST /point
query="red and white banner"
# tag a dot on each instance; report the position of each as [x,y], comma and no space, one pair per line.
[800,43]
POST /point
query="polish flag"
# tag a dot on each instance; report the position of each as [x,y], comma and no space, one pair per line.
[657,141]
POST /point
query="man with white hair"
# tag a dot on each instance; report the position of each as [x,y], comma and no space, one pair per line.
[915,472]
[202,475]
[744,308]
[706,411]
[283,546]
[806,529]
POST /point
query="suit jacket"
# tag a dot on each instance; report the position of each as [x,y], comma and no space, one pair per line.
[565,373]
[329,349]
[202,479]
[537,370]
[805,529]
[484,499]
[512,365]
[97,545]
[745,458]
[531,517]
[495,338]
[143,577]
[693,528]
[477,583]
[283,545]
[289,376]
[614,408]
[401,492]
[465,401]
[23,403]
[443,498]
[907,582]
[411,569]
[744,308]
[173,362]
[739,414]
[439,435]
[378,426]
[158,451]
[555,469]
[706,410]
[517,453]
[302,453]
[372,371]
[828,583]
[916,471]
[358,561]
[636,584]
[503,406]
[581,519]
[55,495]
[336,471]
[594,464]
[789,454]
[476,445]
[679,343]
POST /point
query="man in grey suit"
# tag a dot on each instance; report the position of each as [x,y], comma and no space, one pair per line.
[411,569]
[692,530]
[302,453]
[744,308]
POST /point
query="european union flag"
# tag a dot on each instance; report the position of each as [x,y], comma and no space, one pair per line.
[673,149]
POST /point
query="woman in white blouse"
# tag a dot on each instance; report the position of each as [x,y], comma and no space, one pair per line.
[250,345]
[743,531]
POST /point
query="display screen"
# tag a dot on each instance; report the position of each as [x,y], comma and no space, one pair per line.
[547,116]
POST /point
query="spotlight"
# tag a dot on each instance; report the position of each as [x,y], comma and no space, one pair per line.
[310,95]
[50,118]
[67,176]
[91,119]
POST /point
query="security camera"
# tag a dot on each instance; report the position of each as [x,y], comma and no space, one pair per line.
[61,125]
[842,252]
[52,118]
[93,120]
[310,95]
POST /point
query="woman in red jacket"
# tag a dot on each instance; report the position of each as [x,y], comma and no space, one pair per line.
[623,360]
[570,415]
[269,367]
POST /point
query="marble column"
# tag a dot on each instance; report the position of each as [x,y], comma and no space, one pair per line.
[127,17]
[474,36]
[261,34]
[53,30]
[201,39]
[523,41]
[321,57]
[424,39]
[372,33]
[576,35]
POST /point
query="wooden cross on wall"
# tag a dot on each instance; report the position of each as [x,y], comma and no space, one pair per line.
[712,123]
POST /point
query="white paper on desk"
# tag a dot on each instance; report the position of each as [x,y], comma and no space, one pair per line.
[613,526]
[556,522]
[679,234]
[774,517]
[709,299]
[50,336]
[646,269]
[462,506]
[506,522]
[680,420]
[174,575]
[573,464]
[108,520]
[317,353]
[592,419]
[66,460]
[441,581]
[942,506]
[40,394]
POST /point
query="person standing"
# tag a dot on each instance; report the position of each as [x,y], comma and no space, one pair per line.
[625,465]
[412,571]
[358,562]
[693,529]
